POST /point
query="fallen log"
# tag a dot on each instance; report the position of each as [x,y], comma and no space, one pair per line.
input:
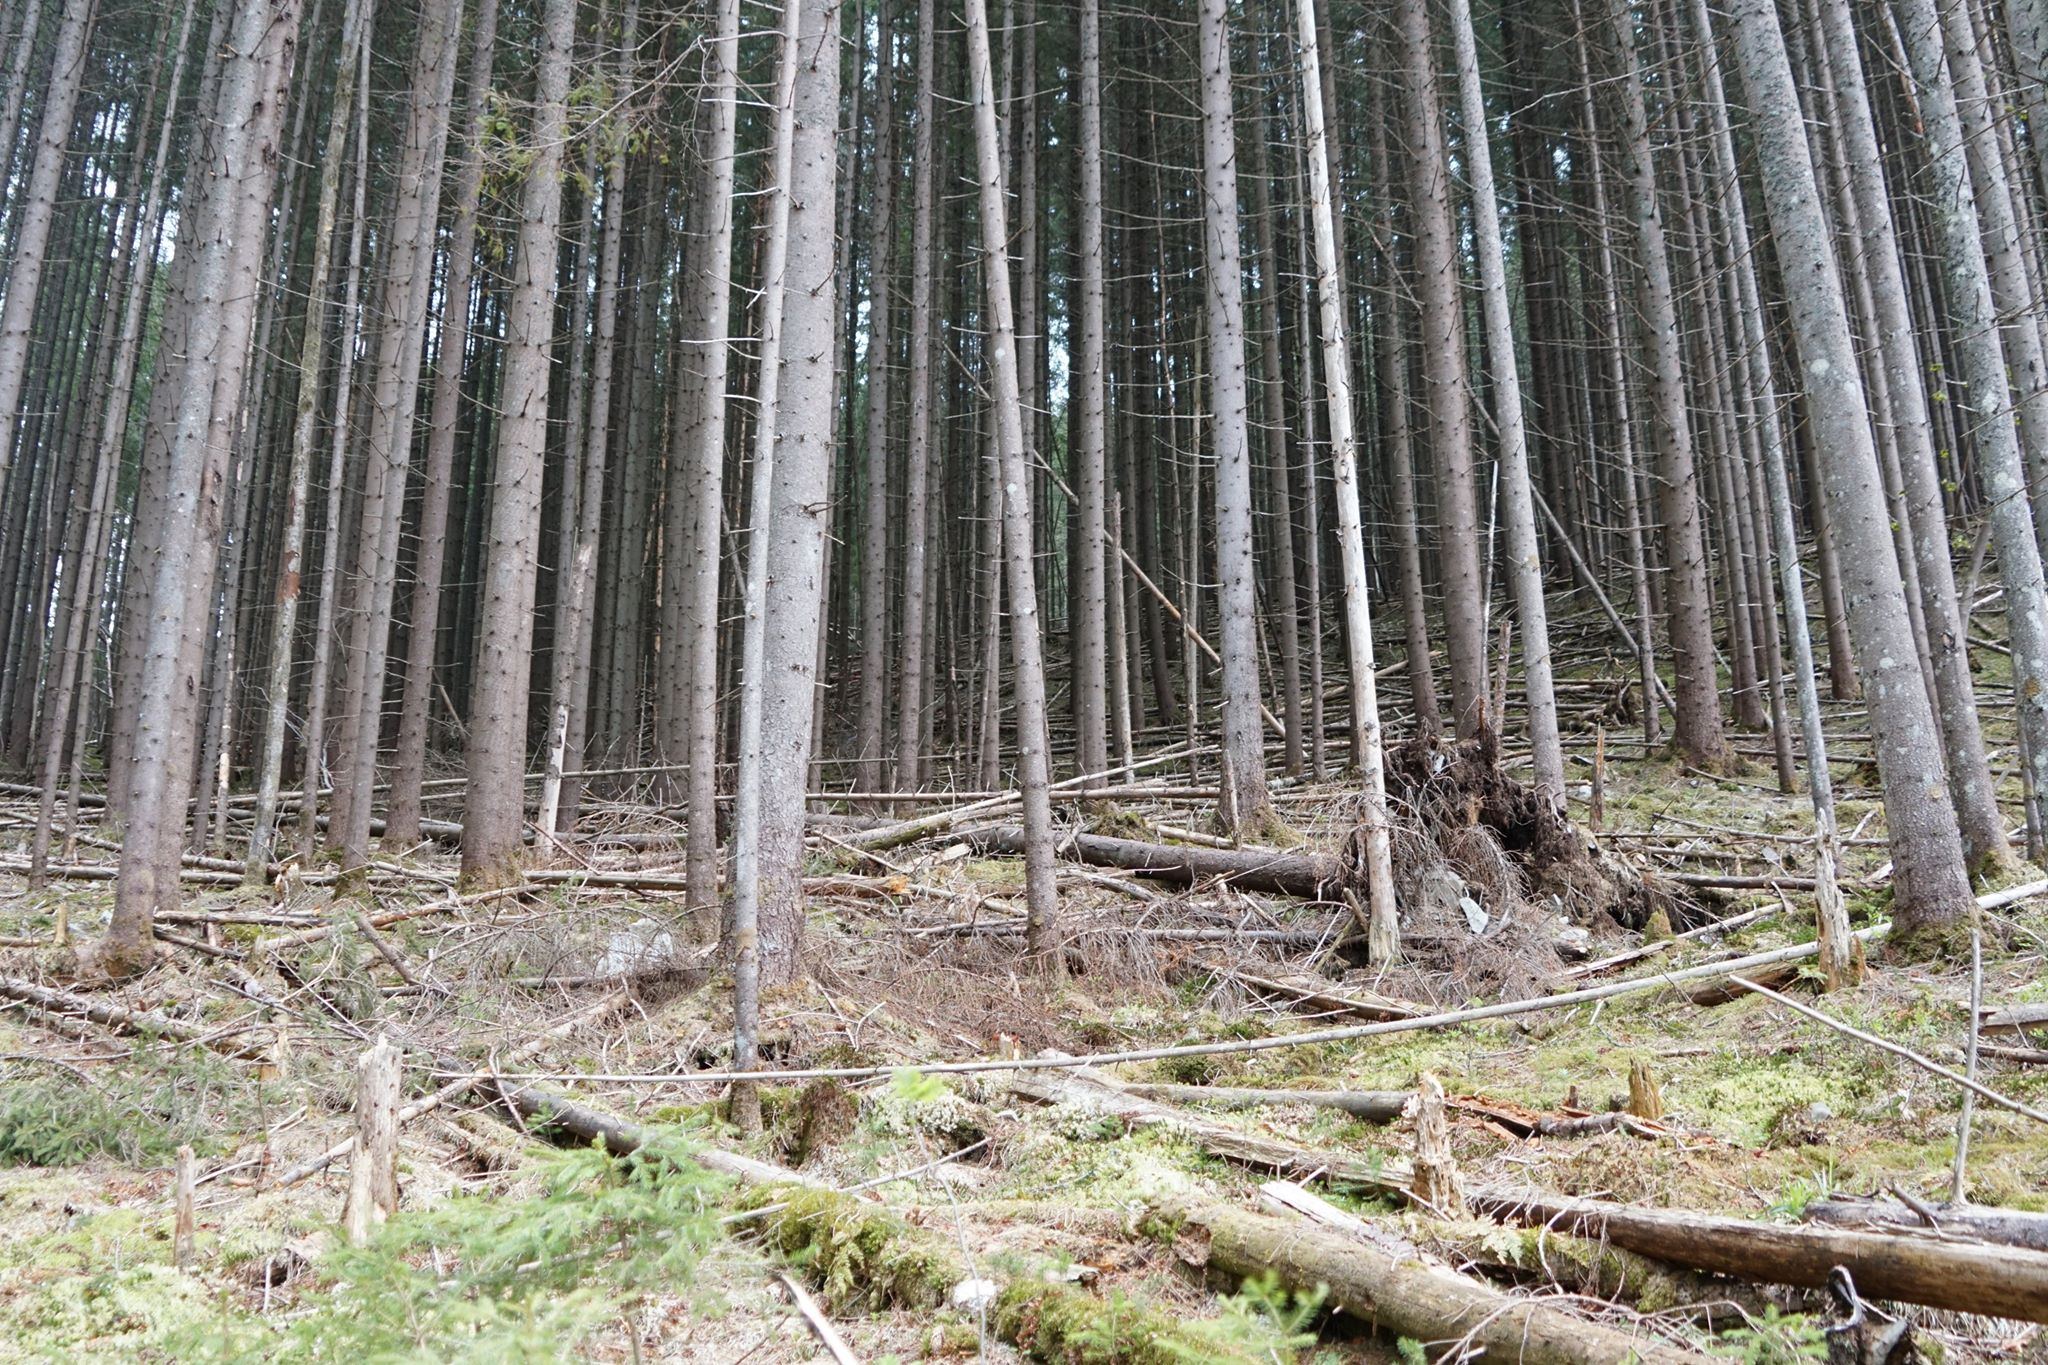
[2008,1227]
[1964,1277]
[1369,1106]
[1401,1296]
[1311,876]
[66,1004]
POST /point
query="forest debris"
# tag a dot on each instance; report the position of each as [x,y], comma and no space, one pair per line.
[1089,1089]
[1725,990]
[1397,1295]
[828,1335]
[2018,1018]
[1964,1277]
[2008,1227]
[1968,1083]
[148,1022]
[1311,876]
[1368,1106]
[1469,807]
[1578,1265]
[182,1231]
[1313,993]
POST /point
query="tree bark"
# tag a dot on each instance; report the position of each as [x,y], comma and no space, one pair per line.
[227,209]
[1518,511]
[494,806]
[1698,731]
[1443,373]
[1932,889]
[31,242]
[1014,484]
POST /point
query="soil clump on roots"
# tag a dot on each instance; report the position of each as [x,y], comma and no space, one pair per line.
[1484,866]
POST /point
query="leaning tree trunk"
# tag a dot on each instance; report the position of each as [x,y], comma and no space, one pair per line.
[1518,509]
[1014,484]
[228,209]
[1383,937]
[494,808]
[1932,889]
[1969,774]
[1966,277]
[74,668]
[1836,947]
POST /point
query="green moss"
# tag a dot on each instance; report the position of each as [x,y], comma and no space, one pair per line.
[1057,1323]
[858,1255]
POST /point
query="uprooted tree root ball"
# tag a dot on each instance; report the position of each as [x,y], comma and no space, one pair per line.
[1481,863]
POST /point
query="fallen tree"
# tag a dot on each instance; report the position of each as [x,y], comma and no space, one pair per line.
[1964,1277]
[1403,1296]
[2012,1227]
[1311,876]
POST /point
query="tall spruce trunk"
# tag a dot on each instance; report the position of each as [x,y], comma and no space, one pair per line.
[1967,283]
[918,451]
[870,742]
[1696,688]
[1518,505]
[1014,484]
[495,800]
[38,212]
[1088,404]
[228,209]
[409,763]
[75,664]
[1383,932]
[1931,885]
[1244,807]
[305,426]
[792,467]
[1443,374]
[1969,774]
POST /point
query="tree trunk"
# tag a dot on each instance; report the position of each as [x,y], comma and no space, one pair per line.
[1525,565]
[1014,484]
[1244,806]
[1697,689]
[38,211]
[1932,889]
[495,801]
[918,453]
[408,766]
[1384,935]
[1967,283]
[1443,373]
[298,485]
[227,210]
[408,274]
[1087,403]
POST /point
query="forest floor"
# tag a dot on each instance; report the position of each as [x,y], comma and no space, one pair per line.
[508,1247]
